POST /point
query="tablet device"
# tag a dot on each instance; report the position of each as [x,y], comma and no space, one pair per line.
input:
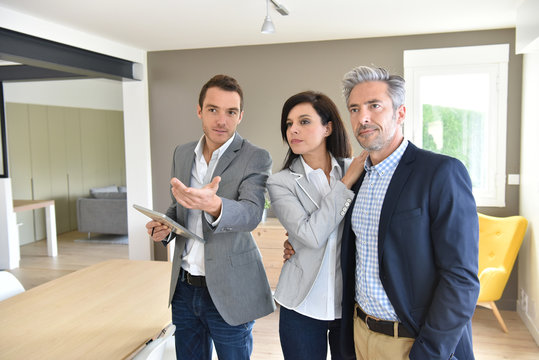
[173,225]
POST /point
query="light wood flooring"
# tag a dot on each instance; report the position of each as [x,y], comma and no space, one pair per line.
[490,343]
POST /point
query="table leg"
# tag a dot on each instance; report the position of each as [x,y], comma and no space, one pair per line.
[52,246]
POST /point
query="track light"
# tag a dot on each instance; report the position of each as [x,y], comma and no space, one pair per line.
[267,26]
[280,8]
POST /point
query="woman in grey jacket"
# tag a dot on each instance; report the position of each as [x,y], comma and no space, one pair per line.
[310,196]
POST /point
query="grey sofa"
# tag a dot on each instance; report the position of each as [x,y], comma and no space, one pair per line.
[104,211]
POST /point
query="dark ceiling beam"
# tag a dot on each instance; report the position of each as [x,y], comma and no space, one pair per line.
[32,73]
[50,55]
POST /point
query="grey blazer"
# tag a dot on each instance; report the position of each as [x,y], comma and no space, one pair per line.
[235,276]
[309,225]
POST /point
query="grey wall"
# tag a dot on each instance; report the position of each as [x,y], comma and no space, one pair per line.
[269,74]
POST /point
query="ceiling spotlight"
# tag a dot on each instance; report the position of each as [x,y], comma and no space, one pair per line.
[280,8]
[267,26]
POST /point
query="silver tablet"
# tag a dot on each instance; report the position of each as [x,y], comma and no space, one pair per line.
[165,220]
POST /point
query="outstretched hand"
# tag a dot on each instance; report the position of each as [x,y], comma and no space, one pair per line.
[204,199]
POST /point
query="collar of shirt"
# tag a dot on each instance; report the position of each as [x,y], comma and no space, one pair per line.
[310,173]
[202,170]
[389,164]
[219,152]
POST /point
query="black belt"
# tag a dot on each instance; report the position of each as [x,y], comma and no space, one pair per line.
[199,281]
[383,326]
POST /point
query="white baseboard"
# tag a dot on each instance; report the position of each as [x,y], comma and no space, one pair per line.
[532,328]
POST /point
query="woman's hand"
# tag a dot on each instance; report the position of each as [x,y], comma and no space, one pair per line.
[288,250]
[355,170]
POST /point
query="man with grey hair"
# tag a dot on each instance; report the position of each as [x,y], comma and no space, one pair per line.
[410,241]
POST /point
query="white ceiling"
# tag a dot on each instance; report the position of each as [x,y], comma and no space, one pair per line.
[180,24]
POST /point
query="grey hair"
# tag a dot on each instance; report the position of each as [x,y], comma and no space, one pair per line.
[361,74]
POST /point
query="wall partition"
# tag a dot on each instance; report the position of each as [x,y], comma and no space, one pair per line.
[3,143]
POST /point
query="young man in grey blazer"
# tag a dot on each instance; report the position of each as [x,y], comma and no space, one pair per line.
[219,286]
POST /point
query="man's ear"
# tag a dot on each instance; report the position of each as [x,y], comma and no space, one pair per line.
[240,118]
[199,112]
[401,114]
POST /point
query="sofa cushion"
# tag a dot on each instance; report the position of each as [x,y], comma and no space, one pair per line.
[109,195]
[105,189]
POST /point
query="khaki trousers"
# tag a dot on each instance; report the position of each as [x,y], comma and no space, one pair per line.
[371,345]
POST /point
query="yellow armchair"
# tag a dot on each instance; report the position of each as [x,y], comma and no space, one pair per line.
[499,242]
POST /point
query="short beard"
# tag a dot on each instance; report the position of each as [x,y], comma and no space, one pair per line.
[379,143]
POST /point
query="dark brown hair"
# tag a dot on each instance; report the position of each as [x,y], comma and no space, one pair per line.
[337,142]
[223,82]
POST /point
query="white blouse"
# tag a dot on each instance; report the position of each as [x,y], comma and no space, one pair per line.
[324,299]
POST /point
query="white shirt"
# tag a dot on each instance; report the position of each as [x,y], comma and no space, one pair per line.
[201,175]
[323,302]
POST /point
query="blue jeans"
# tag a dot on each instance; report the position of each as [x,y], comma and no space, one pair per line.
[305,338]
[198,323]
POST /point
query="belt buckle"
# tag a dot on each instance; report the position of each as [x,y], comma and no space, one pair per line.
[367,316]
[186,277]
[189,278]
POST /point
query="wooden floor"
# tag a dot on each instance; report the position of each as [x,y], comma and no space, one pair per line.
[490,343]
[36,267]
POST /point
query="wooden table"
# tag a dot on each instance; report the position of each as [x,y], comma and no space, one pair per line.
[270,236]
[50,218]
[105,311]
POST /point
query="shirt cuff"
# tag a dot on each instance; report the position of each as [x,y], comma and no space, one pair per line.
[211,220]
[167,239]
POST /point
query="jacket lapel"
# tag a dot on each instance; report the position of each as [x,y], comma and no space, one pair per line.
[184,175]
[396,186]
[185,170]
[228,156]
[297,170]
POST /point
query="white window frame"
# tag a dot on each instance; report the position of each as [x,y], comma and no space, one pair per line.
[489,58]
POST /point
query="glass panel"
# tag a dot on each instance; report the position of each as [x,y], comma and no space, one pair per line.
[455,110]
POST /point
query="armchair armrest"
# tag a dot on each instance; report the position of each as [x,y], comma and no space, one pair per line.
[493,281]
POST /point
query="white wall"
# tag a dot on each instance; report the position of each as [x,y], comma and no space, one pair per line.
[527,40]
[101,94]
[136,121]
[528,265]
[9,250]
[138,165]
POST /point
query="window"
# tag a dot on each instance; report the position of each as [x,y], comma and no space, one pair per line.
[457,105]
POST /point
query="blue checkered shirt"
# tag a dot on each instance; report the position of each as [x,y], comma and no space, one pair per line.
[370,293]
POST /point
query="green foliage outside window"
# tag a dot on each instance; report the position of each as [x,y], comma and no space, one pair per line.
[457,133]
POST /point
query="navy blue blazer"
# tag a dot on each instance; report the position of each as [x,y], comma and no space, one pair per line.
[428,253]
